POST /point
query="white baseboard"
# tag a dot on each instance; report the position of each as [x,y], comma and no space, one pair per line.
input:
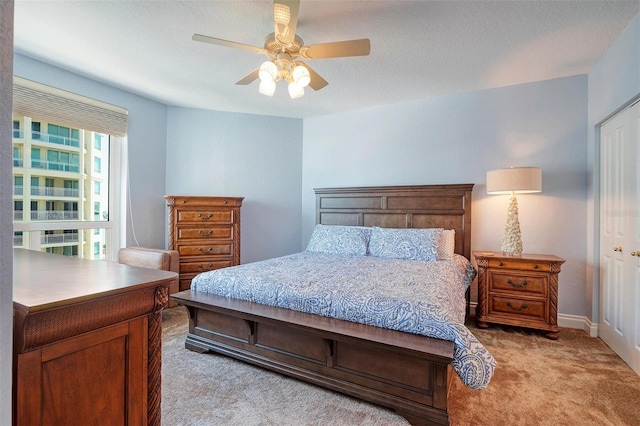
[580,322]
[568,321]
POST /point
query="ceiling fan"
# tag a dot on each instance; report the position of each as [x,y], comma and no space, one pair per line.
[286,50]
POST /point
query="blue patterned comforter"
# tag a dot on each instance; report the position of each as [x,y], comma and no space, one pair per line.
[420,297]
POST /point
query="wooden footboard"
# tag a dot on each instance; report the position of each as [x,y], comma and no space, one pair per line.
[405,372]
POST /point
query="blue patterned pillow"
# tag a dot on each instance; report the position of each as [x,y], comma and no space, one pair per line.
[401,243]
[336,239]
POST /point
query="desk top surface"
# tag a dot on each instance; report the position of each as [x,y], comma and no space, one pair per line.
[45,281]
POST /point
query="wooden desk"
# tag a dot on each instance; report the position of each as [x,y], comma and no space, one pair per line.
[87,341]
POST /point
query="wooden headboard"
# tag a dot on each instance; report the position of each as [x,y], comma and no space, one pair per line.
[417,206]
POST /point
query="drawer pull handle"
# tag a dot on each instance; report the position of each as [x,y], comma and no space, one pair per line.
[512,284]
[536,267]
[205,234]
[617,249]
[206,268]
[635,253]
[201,250]
[203,217]
[500,264]
[521,308]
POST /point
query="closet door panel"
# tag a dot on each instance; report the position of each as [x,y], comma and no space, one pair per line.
[614,186]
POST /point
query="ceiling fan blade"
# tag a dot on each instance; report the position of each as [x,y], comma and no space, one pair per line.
[249,78]
[285,16]
[227,43]
[316,82]
[338,49]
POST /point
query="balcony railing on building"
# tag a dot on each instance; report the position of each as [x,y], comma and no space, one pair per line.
[60,140]
[68,237]
[50,191]
[55,215]
[55,165]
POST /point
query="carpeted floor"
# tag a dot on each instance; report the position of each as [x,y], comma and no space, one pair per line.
[576,380]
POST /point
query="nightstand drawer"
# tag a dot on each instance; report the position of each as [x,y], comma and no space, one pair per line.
[520,307]
[519,265]
[535,284]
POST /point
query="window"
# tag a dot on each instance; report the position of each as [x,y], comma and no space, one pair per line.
[16,129]
[35,158]
[61,134]
[35,130]
[17,157]
[18,185]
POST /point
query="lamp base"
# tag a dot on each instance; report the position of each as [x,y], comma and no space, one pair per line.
[512,241]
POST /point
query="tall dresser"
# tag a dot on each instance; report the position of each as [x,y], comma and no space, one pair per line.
[206,233]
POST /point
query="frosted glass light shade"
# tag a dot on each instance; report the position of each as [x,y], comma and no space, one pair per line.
[267,87]
[281,14]
[301,76]
[268,71]
[516,179]
[295,91]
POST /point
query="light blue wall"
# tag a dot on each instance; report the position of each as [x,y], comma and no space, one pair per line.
[457,139]
[613,82]
[243,155]
[146,141]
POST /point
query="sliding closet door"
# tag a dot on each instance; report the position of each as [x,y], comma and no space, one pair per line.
[634,264]
[620,236]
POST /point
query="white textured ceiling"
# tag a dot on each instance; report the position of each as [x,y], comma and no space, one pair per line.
[419,49]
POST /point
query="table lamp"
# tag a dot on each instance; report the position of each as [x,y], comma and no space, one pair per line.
[511,181]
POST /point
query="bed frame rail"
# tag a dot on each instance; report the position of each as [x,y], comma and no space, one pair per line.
[408,373]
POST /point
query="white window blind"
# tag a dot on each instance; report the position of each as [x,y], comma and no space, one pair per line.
[59,106]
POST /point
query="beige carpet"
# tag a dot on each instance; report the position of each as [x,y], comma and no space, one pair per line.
[576,380]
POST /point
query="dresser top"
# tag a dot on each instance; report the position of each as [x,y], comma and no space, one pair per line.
[45,281]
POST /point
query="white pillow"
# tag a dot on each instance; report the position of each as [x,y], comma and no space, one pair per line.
[447,244]
[405,243]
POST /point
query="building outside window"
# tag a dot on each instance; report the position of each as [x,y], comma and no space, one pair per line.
[65,215]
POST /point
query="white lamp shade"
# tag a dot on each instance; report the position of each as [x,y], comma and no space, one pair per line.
[267,87]
[515,179]
[295,91]
[268,71]
[301,76]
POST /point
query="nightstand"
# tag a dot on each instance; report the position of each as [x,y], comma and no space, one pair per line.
[518,290]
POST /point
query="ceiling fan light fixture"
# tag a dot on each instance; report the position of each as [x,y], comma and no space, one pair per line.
[301,76]
[268,72]
[267,87]
[295,91]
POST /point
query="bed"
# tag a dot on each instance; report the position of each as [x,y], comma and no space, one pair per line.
[380,359]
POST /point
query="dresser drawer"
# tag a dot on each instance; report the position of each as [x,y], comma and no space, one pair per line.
[202,233]
[519,265]
[533,309]
[208,216]
[522,283]
[204,266]
[206,249]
